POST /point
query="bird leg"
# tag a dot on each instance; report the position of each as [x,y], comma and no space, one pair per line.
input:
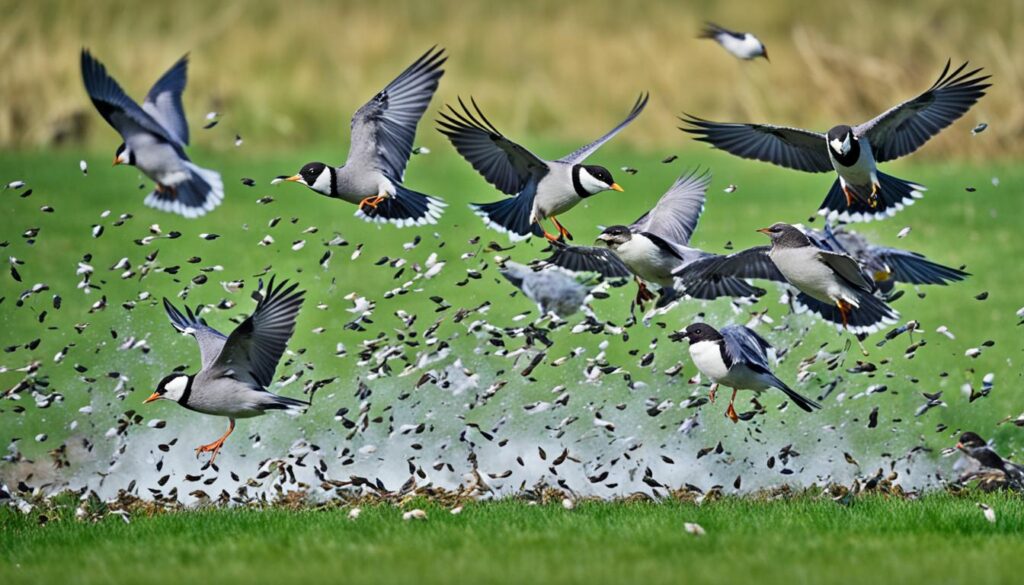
[873,199]
[216,445]
[844,312]
[643,294]
[712,392]
[372,201]
[565,233]
[850,196]
[731,411]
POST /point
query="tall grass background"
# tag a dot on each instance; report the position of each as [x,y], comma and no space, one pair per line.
[292,72]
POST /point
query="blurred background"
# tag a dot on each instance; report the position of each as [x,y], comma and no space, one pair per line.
[295,71]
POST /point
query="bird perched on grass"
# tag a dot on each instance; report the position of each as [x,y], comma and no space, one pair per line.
[742,45]
[655,245]
[540,189]
[236,369]
[861,192]
[736,357]
[555,291]
[382,136]
[155,136]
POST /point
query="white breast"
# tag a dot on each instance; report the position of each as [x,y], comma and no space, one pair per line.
[647,260]
[801,267]
[707,356]
[862,172]
[555,193]
[746,48]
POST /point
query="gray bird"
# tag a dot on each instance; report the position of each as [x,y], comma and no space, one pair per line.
[540,189]
[655,245]
[237,369]
[973,446]
[741,45]
[553,289]
[861,192]
[736,357]
[382,136]
[155,136]
[831,284]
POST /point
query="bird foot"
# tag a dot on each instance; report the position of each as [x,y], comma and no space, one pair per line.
[643,294]
[712,393]
[214,447]
[731,413]
[873,199]
[561,229]
[373,201]
[849,196]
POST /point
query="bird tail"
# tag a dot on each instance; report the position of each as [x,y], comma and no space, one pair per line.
[710,31]
[893,195]
[289,405]
[869,317]
[800,400]
[200,193]
[511,216]
[405,208]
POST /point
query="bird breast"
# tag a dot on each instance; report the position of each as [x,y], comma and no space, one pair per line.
[707,356]
[555,193]
[647,260]
[804,270]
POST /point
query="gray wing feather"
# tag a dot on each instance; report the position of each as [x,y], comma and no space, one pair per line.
[503,163]
[913,268]
[750,263]
[745,346]
[383,129]
[163,102]
[905,128]
[848,268]
[677,212]
[580,154]
[588,259]
[254,348]
[793,148]
[209,339]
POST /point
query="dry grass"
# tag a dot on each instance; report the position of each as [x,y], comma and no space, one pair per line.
[293,71]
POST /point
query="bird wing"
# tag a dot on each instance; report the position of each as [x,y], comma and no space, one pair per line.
[119,110]
[163,102]
[588,259]
[210,341]
[580,154]
[712,30]
[384,128]
[914,268]
[750,263]
[676,214]
[254,348]
[793,148]
[847,268]
[745,346]
[906,127]
[503,163]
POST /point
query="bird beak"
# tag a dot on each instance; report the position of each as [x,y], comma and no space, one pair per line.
[294,178]
[960,446]
[152,397]
[766,57]
[616,187]
[765,231]
[117,161]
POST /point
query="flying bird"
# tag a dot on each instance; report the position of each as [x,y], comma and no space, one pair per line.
[736,357]
[540,189]
[742,45]
[382,140]
[974,447]
[236,369]
[654,246]
[555,291]
[861,192]
[155,136]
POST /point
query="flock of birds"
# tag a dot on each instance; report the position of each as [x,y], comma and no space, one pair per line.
[837,273]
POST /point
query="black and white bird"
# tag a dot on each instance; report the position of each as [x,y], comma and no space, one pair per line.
[973,446]
[155,135]
[540,189]
[861,192]
[832,284]
[655,245]
[236,369]
[555,290]
[742,45]
[381,143]
[736,357]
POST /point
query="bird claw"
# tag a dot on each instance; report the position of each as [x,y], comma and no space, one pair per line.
[731,413]
[372,202]
[214,447]
[873,199]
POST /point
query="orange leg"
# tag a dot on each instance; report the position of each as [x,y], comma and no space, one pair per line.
[643,294]
[216,445]
[565,233]
[844,313]
[849,196]
[712,392]
[372,201]
[731,411]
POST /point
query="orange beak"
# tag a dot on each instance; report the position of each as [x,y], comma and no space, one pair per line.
[117,160]
[765,231]
[960,446]
[152,397]
[616,187]
[294,178]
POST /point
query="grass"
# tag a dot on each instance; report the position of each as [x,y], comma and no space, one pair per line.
[939,539]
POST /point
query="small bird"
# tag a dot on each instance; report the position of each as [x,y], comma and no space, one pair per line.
[155,136]
[831,284]
[237,369]
[540,189]
[974,447]
[382,140]
[736,357]
[861,192]
[742,45]
[555,291]
[655,245]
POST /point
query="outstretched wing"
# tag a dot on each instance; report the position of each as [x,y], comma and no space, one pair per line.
[503,163]
[588,259]
[792,148]
[209,339]
[581,154]
[745,346]
[383,129]
[750,263]
[253,349]
[677,212]
[163,102]
[914,268]
[906,127]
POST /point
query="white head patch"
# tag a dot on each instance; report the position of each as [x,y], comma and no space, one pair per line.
[323,182]
[590,183]
[175,388]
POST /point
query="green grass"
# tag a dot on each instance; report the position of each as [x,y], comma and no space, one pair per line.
[939,539]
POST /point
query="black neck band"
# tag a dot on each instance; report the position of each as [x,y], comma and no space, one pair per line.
[576,184]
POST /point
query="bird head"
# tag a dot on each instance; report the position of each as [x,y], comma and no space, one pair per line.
[783,234]
[124,155]
[614,236]
[840,140]
[697,332]
[595,178]
[172,387]
[970,440]
[315,175]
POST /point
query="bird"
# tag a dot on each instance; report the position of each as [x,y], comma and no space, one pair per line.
[861,192]
[832,285]
[655,245]
[973,446]
[555,291]
[736,357]
[155,135]
[540,189]
[742,45]
[382,136]
[236,369]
